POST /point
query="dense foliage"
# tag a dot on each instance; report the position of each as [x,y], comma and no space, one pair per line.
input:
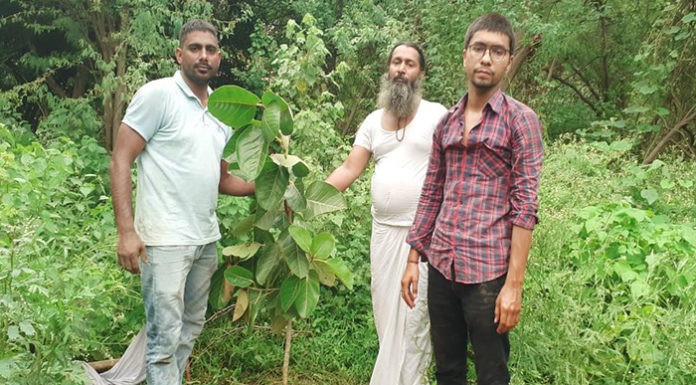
[610,283]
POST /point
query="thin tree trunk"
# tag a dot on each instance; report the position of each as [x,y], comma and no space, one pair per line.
[286,357]
[349,123]
[522,54]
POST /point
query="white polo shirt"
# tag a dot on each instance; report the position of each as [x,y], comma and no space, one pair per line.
[179,169]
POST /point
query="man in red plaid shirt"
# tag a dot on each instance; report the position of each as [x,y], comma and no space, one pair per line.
[476,214]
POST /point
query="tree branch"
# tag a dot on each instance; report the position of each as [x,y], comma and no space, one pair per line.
[577,92]
[585,81]
[689,117]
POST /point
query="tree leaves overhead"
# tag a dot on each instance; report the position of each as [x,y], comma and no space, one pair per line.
[233,105]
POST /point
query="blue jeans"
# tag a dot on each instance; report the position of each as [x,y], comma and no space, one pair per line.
[175,285]
[460,314]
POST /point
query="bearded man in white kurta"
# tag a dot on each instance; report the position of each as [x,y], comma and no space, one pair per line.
[399,136]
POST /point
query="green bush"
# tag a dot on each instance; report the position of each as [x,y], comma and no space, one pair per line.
[62,297]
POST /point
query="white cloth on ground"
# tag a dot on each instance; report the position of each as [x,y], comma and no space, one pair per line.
[129,370]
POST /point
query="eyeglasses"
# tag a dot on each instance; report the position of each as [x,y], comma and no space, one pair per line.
[497,52]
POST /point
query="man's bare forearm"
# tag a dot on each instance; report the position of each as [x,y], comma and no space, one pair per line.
[121,192]
[233,185]
[342,178]
[519,253]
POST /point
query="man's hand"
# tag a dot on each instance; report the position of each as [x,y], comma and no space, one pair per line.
[130,247]
[508,306]
[409,284]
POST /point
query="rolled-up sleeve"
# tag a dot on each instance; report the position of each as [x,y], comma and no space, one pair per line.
[430,201]
[527,157]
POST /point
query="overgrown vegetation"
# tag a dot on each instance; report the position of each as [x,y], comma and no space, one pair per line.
[610,283]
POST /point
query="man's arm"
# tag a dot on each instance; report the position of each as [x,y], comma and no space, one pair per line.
[233,185]
[429,205]
[129,145]
[527,156]
[350,170]
[508,305]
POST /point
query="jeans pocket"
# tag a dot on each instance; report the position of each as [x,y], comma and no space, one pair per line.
[169,254]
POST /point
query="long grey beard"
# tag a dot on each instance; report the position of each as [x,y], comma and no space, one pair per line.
[401,99]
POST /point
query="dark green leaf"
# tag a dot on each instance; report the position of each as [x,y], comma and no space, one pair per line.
[307,297]
[322,245]
[239,276]
[271,185]
[285,113]
[271,121]
[289,290]
[294,198]
[252,150]
[295,257]
[233,105]
[267,263]
[342,271]
[302,237]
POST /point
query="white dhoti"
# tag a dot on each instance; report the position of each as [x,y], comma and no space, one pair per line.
[404,333]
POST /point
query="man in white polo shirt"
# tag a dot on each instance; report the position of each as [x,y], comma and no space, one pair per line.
[399,136]
[171,240]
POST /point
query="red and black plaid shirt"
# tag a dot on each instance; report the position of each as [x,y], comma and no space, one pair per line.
[473,195]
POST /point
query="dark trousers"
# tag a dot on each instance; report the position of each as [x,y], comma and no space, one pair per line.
[461,313]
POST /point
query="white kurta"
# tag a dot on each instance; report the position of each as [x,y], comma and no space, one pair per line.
[400,168]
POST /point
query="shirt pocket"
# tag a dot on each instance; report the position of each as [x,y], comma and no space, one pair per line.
[492,161]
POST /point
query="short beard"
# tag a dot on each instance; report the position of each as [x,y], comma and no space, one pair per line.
[400,99]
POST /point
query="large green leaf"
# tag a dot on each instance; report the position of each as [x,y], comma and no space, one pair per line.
[292,162]
[233,105]
[307,296]
[302,237]
[267,263]
[342,271]
[289,290]
[322,245]
[294,198]
[252,150]
[326,274]
[265,219]
[271,121]
[322,198]
[242,251]
[295,257]
[242,227]
[216,289]
[269,98]
[239,276]
[271,185]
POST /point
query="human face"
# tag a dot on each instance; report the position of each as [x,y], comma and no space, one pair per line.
[199,57]
[404,65]
[483,72]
